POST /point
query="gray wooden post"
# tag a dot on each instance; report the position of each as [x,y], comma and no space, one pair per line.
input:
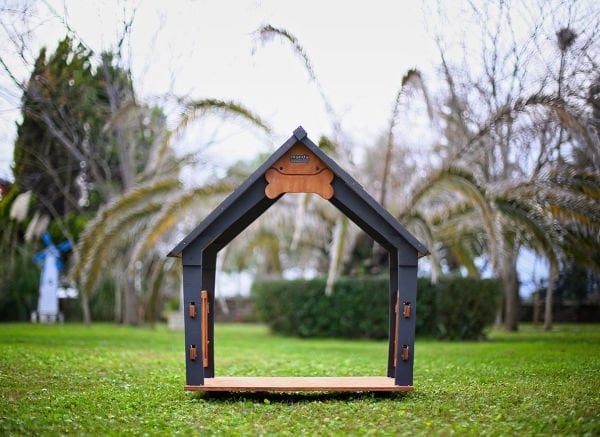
[407,286]
[393,262]
[192,287]
[208,283]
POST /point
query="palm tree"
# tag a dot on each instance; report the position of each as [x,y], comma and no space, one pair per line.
[555,214]
[128,230]
[470,203]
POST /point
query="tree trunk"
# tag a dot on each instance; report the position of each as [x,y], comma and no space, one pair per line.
[130,310]
[85,307]
[499,322]
[114,92]
[336,254]
[548,308]
[155,288]
[536,307]
[512,301]
[510,285]
[118,311]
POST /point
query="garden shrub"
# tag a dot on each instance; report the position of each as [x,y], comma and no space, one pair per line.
[454,308]
[19,285]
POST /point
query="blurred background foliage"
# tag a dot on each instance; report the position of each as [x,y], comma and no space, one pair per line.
[513,164]
[454,308]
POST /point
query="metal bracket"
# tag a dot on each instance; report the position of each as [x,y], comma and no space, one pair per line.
[407,310]
[193,352]
[192,310]
[405,352]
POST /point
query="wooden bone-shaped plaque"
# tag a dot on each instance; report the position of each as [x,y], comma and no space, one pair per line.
[299,171]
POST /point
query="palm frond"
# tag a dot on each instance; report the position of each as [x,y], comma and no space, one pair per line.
[455,180]
[170,214]
[543,235]
[194,109]
[463,252]
[422,229]
[90,265]
[411,78]
[120,207]
[268,32]
[556,107]
[223,108]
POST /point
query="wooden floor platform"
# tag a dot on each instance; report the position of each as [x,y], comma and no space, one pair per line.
[293,384]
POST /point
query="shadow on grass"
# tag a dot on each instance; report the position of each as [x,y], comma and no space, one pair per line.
[297,397]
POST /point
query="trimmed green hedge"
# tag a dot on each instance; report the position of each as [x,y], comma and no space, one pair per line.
[454,308]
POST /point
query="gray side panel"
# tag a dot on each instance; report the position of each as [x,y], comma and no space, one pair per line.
[407,284]
[393,259]
[192,285]
[208,284]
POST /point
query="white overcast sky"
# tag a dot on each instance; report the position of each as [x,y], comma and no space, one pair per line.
[204,49]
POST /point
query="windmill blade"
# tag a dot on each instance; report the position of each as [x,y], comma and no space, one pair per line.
[47,239]
[64,246]
[39,257]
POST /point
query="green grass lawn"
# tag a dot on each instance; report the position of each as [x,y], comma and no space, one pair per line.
[108,380]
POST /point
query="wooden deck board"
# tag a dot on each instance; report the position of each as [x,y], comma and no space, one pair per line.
[308,383]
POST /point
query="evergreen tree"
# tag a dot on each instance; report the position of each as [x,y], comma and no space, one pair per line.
[64,109]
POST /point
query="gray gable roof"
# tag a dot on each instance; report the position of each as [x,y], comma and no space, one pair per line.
[300,135]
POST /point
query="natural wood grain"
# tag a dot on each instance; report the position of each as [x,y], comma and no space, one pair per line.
[204,300]
[308,383]
[280,183]
[299,171]
[397,309]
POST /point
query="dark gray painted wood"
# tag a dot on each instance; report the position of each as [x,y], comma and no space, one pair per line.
[407,284]
[393,261]
[208,284]
[199,250]
[299,136]
[299,133]
[192,281]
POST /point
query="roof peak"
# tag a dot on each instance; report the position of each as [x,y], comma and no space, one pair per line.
[300,133]
[250,200]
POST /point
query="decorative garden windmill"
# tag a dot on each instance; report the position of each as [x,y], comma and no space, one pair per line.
[47,309]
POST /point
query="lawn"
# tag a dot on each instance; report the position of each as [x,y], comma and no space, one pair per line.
[107,380]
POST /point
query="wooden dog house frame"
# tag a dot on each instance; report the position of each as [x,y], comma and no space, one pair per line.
[298,166]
